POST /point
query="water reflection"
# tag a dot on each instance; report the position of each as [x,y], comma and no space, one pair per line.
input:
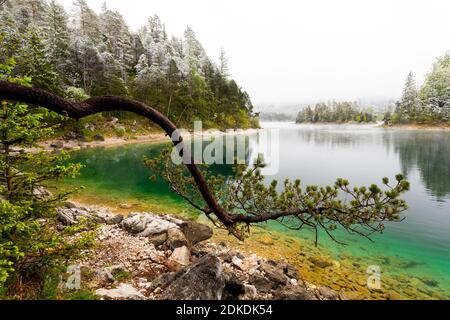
[427,152]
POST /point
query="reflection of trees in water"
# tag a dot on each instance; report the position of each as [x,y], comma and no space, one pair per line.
[429,152]
[336,137]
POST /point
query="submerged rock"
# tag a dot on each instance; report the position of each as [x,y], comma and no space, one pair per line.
[321,262]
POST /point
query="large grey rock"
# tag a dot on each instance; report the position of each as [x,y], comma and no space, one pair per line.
[70,217]
[122,292]
[71,214]
[146,224]
[196,232]
[201,281]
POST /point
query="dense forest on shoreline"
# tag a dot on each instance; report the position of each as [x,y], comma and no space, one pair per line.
[429,104]
[84,54]
[335,112]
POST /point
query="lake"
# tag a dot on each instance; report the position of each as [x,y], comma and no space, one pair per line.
[414,252]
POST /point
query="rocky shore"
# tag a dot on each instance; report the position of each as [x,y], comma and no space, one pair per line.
[148,256]
[72,141]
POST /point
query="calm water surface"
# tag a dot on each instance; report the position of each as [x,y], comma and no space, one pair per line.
[318,154]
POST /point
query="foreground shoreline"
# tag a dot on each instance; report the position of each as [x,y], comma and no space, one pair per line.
[344,273]
[146,256]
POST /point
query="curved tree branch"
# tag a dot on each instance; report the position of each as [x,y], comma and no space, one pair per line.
[36,96]
[268,205]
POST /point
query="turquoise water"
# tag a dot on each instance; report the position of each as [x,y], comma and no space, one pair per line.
[418,247]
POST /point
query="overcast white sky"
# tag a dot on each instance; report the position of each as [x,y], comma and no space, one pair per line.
[300,51]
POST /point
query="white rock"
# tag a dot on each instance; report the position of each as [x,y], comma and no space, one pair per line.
[123,292]
[146,224]
[249,264]
[250,291]
[180,258]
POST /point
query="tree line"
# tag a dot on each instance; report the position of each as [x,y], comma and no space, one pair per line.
[335,112]
[82,53]
[428,104]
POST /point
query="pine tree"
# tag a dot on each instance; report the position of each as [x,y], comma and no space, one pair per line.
[57,39]
[409,104]
[223,64]
[435,92]
[86,38]
[28,245]
[37,64]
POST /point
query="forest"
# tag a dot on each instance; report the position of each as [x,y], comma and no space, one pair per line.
[335,112]
[81,54]
[428,104]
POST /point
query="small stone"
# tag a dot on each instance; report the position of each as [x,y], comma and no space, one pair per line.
[125,206]
[122,292]
[180,258]
[163,281]
[99,137]
[273,273]
[57,144]
[70,205]
[328,293]
[158,239]
[145,224]
[248,264]
[250,291]
[266,240]
[293,293]
[261,283]
[176,238]
[290,271]
[321,262]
